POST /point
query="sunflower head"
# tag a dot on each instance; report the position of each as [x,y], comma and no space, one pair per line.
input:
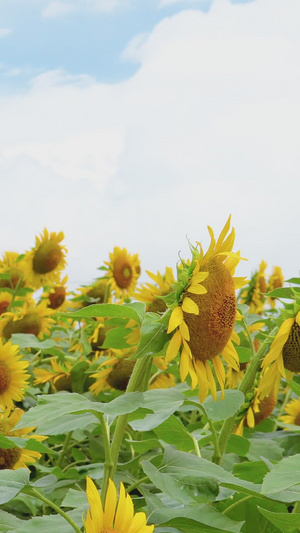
[253,294]
[13,376]
[292,410]
[58,375]
[151,293]
[276,280]
[13,458]
[12,267]
[31,318]
[204,313]
[116,515]
[123,272]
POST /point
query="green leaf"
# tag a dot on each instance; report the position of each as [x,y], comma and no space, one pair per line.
[11,482]
[245,354]
[264,447]
[163,403]
[223,409]
[188,525]
[285,522]
[293,280]
[142,446]
[283,292]
[27,340]
[294,386]
[284,475]
[78,376]
[9,522]
[109,310]
[173,431]
[116,338]
[238,445]
[153,337]
[253,471]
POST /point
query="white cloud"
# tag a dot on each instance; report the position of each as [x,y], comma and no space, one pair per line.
[58,8]
[207,126]
[4,32]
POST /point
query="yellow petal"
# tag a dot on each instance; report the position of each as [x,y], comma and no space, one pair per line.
[110,505]
[189,306]
[196,289]
[173,347]
[184,365]
[250,418]
[184,330]
[176,319]
[95,504]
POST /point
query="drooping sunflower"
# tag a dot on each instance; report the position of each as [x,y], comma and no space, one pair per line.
[253,294]
[55,296]
[283,358]
[163,381]
[292,409]
[43,264]
[123,272]
[31,318]
[13,376]
[5,301]
[13,458]
[116,516]
[150,294]
[58,375]
[276,281]
[255,410]
[10,265]
[114,372]
[204,314]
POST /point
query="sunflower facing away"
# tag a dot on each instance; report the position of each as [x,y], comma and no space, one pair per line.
[13,458]
[255,411]
[59,375]
[13,377]
[31,318]
[123,272]
[116,516]
[114,372]
[276,281]
[56,295]
[43,264]
[253,294]
[283,358]
[204,314]
[150,294]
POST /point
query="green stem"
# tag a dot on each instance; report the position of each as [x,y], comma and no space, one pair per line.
[249,337]
[296,508]
[196,446]
[136,484]
[137,382]
[15,289]
[245,386]
[235,504]
[33,492]
[64,448]
[108,464]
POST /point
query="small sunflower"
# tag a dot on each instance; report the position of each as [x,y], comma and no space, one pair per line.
[276,281]
[96,293]
[255,410]
[43,264]
[13,458]
[234,377]
[151,294]
[114,372]
[5,301]
[59,375]
[163,381]
[13,377]
[31,318]
[292,409]
[204,314]
[56,296]
[283,358]
[10,264]
[253,294]
[123,272]
[115,517]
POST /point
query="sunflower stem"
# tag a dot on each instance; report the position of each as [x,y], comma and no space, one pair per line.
[36,494]
[64,448]
[245,386]
[108,464]
[138,382]
[235,504]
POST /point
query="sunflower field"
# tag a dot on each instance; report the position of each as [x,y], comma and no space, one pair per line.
[170,406]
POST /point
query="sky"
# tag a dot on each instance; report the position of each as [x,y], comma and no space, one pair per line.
[137,123]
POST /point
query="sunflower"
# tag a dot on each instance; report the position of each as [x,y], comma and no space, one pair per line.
[292,409]
[123,272]
[97,293]
[283,358]
[10,265]
[276,281]
[255,410]
[151,294]
[203,316]
[234,377]
[5,301]
[43,264]
[13,458]
[13,377]
[163,381]
[253,294]
[115,517]
[114,372]
[31,318]
[59,375]
[55,296]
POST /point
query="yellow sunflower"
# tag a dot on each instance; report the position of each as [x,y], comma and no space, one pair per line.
[283,358]
[123,272]
[276,281]
[96,293]
[115,517]
[163,381]
[292,409]
[13,377]
[253,294]
[257,410]
[56,296]
[203,318]
[114,372]
[43,264]
[5,301]
[31,318]
[234,377]
[150,294]
[13,458]
[10,265]
[59,375]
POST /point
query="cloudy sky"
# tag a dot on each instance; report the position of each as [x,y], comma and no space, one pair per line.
[136,123]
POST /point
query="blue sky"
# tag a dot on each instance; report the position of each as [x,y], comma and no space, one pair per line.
[136,123]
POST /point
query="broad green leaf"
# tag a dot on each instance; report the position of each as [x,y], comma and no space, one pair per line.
[245,354]
[27,340]
[52,523]
[9,522]
[283,292]
[153,337]
[11,482]
[109,310]
[142,446]
[264,447]
[116,338]
[238,445]
[174,432]
[284,475]
[11,442]
[78,376]
[252,471]
[188,525]
[293,280]
[285,522]
[163,402]
[223,409]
